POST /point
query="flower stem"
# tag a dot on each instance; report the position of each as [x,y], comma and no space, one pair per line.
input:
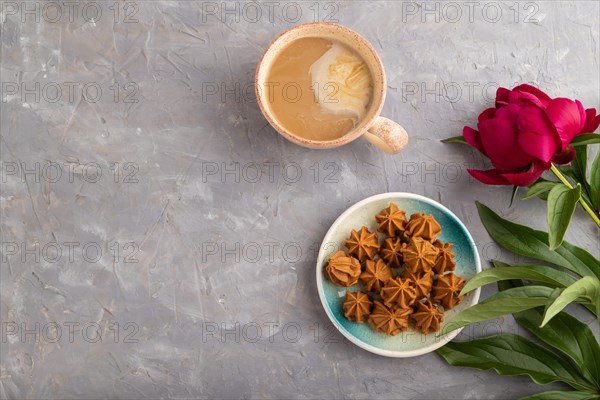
[582,201]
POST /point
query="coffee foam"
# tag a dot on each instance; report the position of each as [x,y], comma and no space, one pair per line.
[343,80]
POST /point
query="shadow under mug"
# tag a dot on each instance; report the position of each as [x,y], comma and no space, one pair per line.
[382,132]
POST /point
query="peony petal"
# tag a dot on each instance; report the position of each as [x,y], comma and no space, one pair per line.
[502,97]
[564,157]
[568,117]
[472,137]
[528,177]
[538,136]
[522,179]
[510,112]
[527,94]
[489,177]
[537,145]
[592,121]
[487,114]
[582,114]
[499,138]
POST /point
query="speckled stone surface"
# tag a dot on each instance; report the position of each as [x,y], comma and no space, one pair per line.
[159,239]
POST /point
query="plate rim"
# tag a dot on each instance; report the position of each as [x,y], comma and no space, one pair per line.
[319,275]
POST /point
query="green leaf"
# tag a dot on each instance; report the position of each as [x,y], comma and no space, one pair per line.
[579,165]
[595,183]
[537,273]
[513,355]
[540,189]
[587,287]
[561,206]
[568,335]
[456,139]
[578,171]
[585,139]
[576,256]
[553,296]
[533,291]
[531,243]
[563,395]
[505,285]
[502,303]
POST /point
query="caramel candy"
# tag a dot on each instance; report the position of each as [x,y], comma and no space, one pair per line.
[375,275]
[422,292]
[391,220]
[398,292]
[446,290]
[424,226]
[445,261]
[343,270]
[362,244]
[419,255]
[390,321]
[427,317]
[357,306]
[391,252]
[423,282]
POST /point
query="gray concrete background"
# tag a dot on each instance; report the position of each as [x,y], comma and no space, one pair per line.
[142,217]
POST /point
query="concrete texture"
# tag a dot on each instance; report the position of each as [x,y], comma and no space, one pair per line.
[159,239]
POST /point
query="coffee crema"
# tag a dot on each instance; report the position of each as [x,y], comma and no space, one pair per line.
[318,89]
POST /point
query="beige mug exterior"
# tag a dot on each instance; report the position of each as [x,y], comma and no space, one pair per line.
[382,132]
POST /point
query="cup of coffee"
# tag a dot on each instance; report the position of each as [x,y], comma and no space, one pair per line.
[321,85]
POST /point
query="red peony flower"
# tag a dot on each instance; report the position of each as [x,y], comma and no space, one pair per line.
[525,132]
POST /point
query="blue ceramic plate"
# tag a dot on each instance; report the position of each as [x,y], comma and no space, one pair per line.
[410,343]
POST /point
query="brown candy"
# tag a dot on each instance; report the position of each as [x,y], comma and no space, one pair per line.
[423,281]
[391,220]
[391,252]
[362,244]
[357,306]
[445,260]
[427,317]
[419,255]
[398,292]
[446,290]
[390,321]
[416,294]
[375,275]
[342,269]
[424,226]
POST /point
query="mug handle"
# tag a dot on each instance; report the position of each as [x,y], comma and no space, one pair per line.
[387,135]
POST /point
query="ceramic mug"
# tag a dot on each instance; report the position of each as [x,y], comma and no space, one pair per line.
[382,132]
